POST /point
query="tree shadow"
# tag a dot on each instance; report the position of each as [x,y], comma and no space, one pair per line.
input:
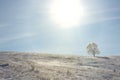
[103,57]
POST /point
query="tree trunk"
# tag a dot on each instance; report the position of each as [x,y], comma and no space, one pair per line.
[93,54]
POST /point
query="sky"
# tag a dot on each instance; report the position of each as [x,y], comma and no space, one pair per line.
[25,25]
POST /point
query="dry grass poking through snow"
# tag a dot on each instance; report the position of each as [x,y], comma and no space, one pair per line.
[34,66]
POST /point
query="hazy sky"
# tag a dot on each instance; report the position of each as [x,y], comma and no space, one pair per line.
[25,25]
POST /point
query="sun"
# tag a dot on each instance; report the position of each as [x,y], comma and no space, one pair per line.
[65,13]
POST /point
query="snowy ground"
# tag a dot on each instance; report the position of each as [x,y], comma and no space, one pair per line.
[33,66]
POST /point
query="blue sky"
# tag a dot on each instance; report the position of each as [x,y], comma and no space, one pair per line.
[25,26]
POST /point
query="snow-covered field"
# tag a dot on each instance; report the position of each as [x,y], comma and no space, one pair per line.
[34,66]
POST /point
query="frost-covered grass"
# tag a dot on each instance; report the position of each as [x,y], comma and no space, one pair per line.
[34,66]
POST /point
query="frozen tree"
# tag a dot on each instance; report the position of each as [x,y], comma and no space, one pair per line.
[92,48]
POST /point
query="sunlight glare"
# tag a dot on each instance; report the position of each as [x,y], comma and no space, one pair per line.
[66,13]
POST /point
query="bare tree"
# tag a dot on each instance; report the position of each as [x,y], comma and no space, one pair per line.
[92,48]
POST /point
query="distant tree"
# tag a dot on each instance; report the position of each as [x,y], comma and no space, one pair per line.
[92,48]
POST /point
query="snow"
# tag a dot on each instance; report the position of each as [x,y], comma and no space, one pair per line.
[39,66]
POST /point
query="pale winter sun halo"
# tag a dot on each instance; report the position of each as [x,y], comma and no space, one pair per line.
[66,13]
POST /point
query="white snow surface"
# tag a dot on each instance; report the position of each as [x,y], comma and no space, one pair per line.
[40,66]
